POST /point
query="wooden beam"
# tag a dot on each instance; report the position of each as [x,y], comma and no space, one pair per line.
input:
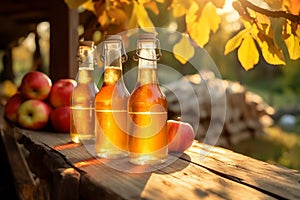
[63,41]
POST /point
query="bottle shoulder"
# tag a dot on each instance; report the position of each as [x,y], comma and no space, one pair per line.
[87,87]
[148,95]
[112,91]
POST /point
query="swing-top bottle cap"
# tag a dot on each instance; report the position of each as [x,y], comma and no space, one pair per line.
[147,36]
[111,38]
[86,43]
[85,52]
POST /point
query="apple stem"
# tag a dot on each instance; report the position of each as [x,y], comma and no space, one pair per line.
[179,119]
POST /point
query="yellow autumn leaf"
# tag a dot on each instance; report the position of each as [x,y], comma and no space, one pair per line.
[275,4]
[117,16]
[218,3]
[74,3]
[180,7]
[160,1]
[270,51]
[8,88]
[89,5]
[265,40]
[235,41]
[183,50]
[247,53]
[152,6]
[104,19]
[209,14]
[293,6]
[262,19]
[133,20]
[293,46]
[144,1]
[293,43]
[143,19]
[199,27]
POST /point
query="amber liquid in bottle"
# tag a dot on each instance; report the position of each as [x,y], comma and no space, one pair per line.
[82,112]
[111,111]
[147,116]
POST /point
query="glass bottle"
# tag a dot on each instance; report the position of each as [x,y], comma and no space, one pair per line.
[111,103]
[82,103]
[147,108]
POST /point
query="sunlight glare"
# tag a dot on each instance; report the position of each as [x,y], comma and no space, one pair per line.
[43,29]
[172,27]
[29,43]
[227,8]
[231,16]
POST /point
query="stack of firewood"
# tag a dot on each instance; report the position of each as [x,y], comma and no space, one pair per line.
[221,112]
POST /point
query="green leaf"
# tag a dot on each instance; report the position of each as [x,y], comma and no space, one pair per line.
[236,41]
[247,53]
[183,50]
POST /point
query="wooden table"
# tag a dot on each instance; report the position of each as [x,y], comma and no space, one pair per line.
[47,166]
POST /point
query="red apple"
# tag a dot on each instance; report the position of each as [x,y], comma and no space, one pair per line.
[61,92]
[35,85]
[60,119]
[34,114]
[12,105]
[180,136]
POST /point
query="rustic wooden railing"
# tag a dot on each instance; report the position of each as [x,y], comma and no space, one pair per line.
[47,165]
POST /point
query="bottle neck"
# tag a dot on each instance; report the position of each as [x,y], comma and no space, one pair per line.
[112,63]
[85,76]
[86,56]
[113,58]
[86,66]
[147,66]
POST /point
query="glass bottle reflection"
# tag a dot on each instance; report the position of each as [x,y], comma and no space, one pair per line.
[82,105]
[147,108]
[111,103]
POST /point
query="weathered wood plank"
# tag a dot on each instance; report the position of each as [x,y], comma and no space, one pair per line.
[202,172]
[27,186]
[112,183]
[24,182]
[66,184]
[278,181]
[180,180]
[117,182]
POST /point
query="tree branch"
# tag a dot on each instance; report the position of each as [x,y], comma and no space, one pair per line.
[275,14]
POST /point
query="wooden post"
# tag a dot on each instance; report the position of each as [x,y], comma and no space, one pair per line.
[63,40]
[7,73]
[66,184]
